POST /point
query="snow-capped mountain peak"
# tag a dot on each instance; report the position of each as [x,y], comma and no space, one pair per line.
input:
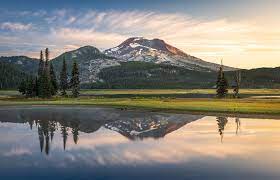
[158,51]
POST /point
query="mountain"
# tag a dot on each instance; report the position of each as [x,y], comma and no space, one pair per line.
[90,61]
[11,75]
[27,64]
[158,51]
[137,63]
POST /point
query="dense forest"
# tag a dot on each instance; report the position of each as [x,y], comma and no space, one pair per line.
[149,75]
[11,75]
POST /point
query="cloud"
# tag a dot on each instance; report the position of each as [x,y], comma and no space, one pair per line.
[15,26]
[209,39]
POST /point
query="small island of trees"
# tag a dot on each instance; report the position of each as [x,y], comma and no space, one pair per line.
[45,84]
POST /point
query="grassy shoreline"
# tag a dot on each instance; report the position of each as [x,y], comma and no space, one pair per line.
[167,100]
[195,105]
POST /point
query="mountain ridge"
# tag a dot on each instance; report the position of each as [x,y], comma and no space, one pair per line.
[158,51]
[110,70]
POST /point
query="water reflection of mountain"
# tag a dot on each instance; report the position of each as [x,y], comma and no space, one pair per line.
[155,126]
[131,124]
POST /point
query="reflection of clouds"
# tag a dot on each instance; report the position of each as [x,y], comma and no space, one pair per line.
[180,146]
[18,152]
[198,140]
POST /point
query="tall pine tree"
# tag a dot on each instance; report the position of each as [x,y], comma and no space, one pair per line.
[41,64]
[54,85]
[221,84]
[63,78]
[75,81]
[44,85]
[46,67]
[44,82]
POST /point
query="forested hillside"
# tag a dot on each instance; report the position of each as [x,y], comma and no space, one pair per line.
[11,75]
[258,78]
[151,75]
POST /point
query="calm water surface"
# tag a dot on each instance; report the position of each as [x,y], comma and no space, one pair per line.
[101,143]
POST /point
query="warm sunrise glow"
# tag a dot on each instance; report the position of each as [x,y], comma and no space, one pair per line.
[245,39]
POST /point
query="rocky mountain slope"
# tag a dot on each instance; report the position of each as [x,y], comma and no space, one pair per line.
[158,51]
[90,61]
[140,63]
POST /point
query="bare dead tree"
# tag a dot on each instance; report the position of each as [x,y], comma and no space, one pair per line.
[237,79]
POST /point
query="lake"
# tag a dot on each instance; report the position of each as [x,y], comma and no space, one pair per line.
[104,143]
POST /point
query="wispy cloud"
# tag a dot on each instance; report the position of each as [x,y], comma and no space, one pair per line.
[208,39]
[15,26]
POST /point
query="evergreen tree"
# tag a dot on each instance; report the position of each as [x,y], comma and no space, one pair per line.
[222,84]
[22,87]
[44,82]
[63,78]
[30,87]
[36,87]
[46,67]
[41,64]
[54,86]
[44,85]
[75,81]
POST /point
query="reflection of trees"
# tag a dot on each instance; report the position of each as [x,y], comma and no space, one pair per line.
[46,131]
[52,129]
[64,133]
[238,125]
[222,121]
[44,135]
[41,137]
[75,131]
[30,122]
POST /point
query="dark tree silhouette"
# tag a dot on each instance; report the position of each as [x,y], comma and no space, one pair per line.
[44,81]
[54,86]
[22,86]
[41,64]
[75,81]
[221,84]
[63,78]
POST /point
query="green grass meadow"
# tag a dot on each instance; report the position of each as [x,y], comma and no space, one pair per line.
[99,98]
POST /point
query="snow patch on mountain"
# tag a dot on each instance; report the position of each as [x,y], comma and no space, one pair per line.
[157,51]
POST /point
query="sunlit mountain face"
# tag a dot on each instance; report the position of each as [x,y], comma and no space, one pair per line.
[66,142]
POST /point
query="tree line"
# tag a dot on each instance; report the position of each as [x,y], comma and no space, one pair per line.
[45,83]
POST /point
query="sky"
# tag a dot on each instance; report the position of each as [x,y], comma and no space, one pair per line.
[244,33]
